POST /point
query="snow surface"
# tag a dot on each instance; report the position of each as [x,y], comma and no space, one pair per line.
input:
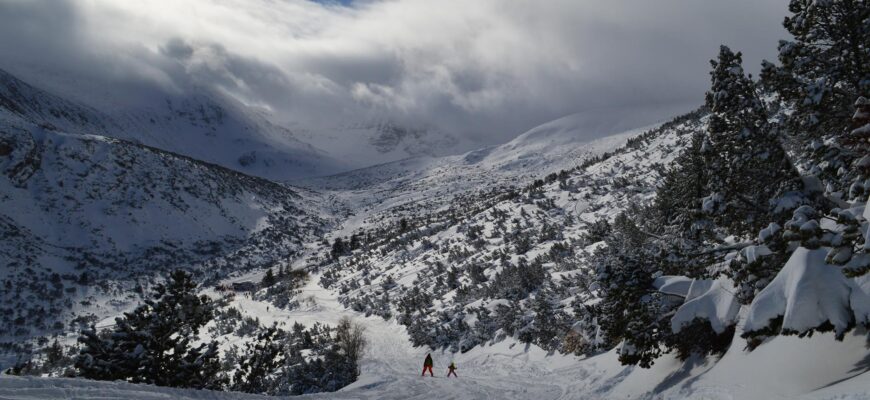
[673,285]
[808,292]
[712,300]
[784,368]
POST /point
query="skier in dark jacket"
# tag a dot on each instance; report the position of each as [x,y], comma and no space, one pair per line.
[451,369]
[427,365]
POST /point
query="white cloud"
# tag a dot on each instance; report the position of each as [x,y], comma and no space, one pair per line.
[486,69]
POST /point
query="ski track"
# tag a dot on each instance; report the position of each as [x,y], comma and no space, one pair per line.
[392,366]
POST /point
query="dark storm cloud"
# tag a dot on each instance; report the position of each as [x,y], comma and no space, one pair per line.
[177,48]
[484,69]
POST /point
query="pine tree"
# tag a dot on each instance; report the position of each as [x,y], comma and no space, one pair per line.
[826,67]
[54,355]
[338,248]
[684,185]
[152,344]
[629,309]
[268,279]
[747,165]
[677,214]
[549,324]
[263,357]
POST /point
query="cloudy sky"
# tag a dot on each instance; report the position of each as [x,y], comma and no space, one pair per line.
[483,69]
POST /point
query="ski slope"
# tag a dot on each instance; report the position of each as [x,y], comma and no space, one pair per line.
[785,368]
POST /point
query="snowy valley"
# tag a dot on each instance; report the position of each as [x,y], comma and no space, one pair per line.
[179,241]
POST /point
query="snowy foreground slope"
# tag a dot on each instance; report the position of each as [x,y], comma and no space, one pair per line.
[785,368]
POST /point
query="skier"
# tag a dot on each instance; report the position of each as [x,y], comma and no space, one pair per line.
[428,365]
[451,369]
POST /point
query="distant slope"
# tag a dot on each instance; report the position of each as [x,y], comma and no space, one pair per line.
[364,143]
[389,191]
[555,145]
[198,123]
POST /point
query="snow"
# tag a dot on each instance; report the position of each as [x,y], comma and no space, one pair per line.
[558,139]
[712,300]
[784,368]
[202,124]
[752,253]
[674,285]
[808,292]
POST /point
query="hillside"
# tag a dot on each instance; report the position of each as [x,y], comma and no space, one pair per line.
[384,194]
[315,198]
[472,250]
[88,222]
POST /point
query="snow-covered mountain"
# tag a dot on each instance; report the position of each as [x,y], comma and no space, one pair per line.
[485,256]
[208,215]
[198,123]
[212,126]
[88,220]
[411,186]
[378,141]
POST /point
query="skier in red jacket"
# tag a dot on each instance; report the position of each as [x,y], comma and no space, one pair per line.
[427,365]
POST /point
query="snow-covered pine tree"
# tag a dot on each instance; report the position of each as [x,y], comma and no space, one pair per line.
[821,287]
[677,213]
[550,324]
[152,344]
[825,67]
[263,357]
[268,278]
[738,166]
[630,310]
[678,198]
[746,164]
